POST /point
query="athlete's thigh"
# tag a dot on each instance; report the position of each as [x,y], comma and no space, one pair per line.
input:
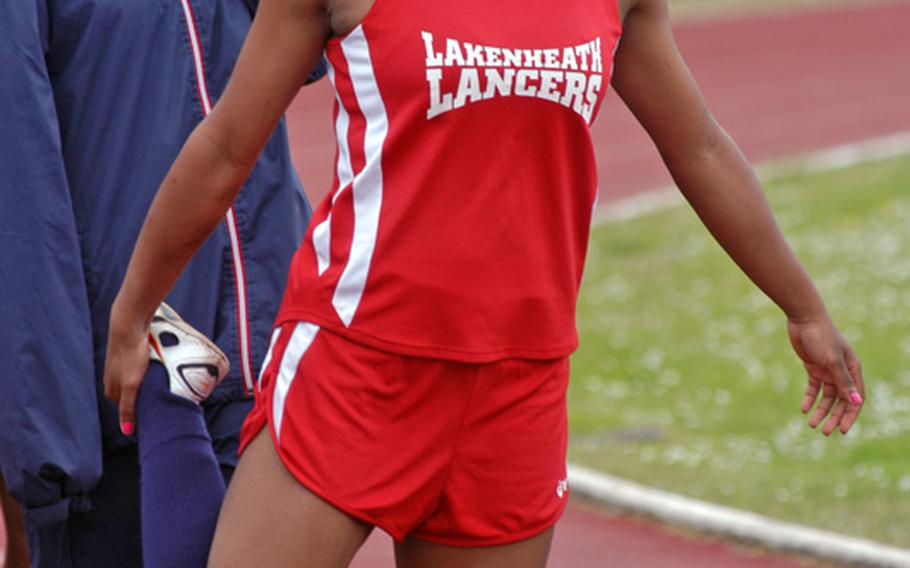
[530,553]
[269,520]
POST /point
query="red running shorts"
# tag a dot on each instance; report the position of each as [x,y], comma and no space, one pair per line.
[452,453]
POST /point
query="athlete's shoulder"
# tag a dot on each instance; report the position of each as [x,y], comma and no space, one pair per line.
[642,7]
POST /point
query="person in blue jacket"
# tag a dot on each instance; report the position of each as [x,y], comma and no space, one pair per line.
[96,100]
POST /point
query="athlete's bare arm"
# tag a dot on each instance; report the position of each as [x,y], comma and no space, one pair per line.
[718,182]
[283,46]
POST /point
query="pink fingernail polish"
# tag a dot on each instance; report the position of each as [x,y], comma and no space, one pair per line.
[855,398]
[127,428]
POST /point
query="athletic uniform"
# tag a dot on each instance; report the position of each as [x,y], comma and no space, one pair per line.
[417,376]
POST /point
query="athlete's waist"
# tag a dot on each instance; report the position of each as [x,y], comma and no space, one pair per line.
[414,347]
[456,322]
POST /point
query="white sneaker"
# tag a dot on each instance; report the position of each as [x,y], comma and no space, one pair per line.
[194,363]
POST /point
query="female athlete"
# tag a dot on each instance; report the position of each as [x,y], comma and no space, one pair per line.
[417,374]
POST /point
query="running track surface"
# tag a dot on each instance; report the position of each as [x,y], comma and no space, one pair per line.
[781,85]
[589,538]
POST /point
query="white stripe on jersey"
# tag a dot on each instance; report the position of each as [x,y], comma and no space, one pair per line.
[301,339]
[322,233]
[322,243]
[367,185]
[268,356]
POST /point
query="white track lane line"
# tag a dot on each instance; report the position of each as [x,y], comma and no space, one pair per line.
[732,523]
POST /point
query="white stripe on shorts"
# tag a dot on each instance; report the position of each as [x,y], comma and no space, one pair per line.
[268,356]
[301,339]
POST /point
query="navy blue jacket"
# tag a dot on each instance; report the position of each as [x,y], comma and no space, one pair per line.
[96,100]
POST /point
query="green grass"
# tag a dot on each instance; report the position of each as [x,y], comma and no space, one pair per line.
[685,379]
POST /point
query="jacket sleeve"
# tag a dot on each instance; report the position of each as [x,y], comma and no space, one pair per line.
[50,447]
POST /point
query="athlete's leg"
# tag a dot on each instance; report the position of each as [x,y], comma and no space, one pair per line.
[530,553]
[16,541]
[270,520]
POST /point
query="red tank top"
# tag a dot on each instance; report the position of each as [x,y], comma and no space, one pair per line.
[458,222]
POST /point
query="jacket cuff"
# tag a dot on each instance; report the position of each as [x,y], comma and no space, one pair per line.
[55,513]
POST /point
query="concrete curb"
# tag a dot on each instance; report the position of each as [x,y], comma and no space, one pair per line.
[732,523]
[827,159]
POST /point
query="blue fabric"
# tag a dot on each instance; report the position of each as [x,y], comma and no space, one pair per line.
[224,420]
[103,98]
[114,515]
[50,447]
[181,486]
[107,534]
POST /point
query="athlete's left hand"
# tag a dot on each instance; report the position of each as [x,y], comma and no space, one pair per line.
[834,374]
[126,364]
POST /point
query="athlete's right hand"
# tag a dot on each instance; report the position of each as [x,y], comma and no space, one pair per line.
[126,364]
